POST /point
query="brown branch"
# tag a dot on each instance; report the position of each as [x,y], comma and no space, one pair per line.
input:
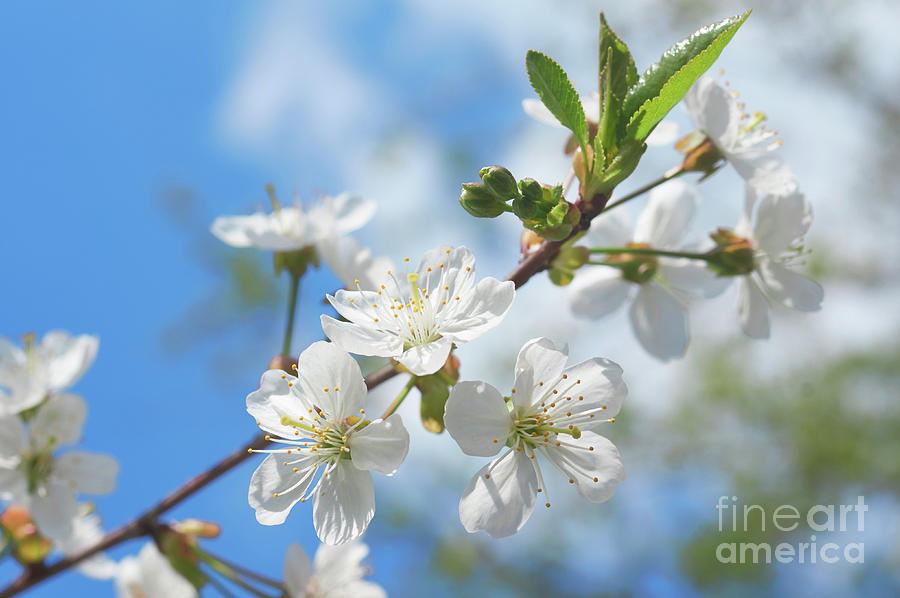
[144,525]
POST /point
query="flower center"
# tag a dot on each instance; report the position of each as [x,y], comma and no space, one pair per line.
[36,468]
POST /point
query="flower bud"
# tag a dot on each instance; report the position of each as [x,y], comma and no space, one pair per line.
[578,163]
[481,202]
[198,528]
[530,241]
[569,259]
[32,549]
[500,181]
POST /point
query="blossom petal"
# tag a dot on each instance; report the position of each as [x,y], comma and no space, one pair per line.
[484,309]
[753,309]
[68,357]
[364,589]
[350,262]
[88,472]
[278,395]
[426,359]
[594,385]
[381,446]
[539,361]
[763,170]
[597,291]
[780,220]
[13,438]
[477,418]
[536,110]
[13,484]
[55,511]
[610,229]
[349,213]
[341,564]
[501,496]
[275,488]
[445,266]
[668,215]
[361,340]
[789,288]
[324,365]
[714,110]
[665,133]
[692,276]
[660,322]
[233,230]
[297,571]
[586,459]
[58,422]
[344,504]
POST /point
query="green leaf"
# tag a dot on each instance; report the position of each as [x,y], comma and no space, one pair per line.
[624,73]
[552,85]
[663,85]
[607,138]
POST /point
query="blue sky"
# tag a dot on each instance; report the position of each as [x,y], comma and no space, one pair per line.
[106,107]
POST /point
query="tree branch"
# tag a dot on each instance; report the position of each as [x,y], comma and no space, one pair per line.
[144,524]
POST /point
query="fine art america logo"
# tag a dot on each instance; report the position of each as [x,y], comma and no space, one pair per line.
[737,518]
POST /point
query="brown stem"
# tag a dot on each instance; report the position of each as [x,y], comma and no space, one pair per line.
[144,524]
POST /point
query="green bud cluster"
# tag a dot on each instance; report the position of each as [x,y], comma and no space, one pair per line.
[541,208]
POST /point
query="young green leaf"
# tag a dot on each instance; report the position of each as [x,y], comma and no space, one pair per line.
[552,85]
[622,70]
[663,85]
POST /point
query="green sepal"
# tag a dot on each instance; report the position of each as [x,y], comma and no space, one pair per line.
[181,553]
[666,82]
[296,262]
[557,93]
[619,168]
[435,390]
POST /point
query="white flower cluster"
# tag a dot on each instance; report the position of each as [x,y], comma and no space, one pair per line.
[660,283]
[39,421]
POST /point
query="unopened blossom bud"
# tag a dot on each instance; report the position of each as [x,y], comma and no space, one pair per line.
[733,254]
[283,362]
[578,163]
[32,549]
[500,181]
[17,521]
[530,241]
[481,202]
[198,528]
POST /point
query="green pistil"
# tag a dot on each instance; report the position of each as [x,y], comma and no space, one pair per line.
[758,117]
[413,279]
[287,421]
[270,191]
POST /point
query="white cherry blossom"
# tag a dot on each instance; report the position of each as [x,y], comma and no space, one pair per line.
[661,287]
[149,575]
[289,228]
[47,484]
[664,133]
[739,137]
[418,318]
[335,572]
[774,227]
[31,373]
[328,447]
[552,411]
